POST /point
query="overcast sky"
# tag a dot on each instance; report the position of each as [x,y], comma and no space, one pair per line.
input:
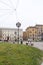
[29,13]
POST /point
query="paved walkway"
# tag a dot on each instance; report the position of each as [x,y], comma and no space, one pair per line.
[42,64]
[38,45]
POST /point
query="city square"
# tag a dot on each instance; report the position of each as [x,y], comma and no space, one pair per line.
[21,32]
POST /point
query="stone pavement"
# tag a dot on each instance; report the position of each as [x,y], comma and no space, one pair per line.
[38,45]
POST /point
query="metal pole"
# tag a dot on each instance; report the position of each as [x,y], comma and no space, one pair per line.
[18,35]
[18,25]
[15,36]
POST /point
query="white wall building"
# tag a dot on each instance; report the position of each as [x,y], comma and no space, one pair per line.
[11,32]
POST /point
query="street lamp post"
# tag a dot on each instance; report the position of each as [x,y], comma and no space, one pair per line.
[18,24]
[15,36]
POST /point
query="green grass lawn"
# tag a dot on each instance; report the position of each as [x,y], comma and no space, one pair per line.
[17,54]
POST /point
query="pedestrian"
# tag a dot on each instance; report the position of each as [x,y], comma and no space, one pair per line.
[21,42]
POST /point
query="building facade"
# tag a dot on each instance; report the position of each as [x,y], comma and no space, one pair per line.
[24,35]
[35,32]
[11,33]
[31,33]
[39,32]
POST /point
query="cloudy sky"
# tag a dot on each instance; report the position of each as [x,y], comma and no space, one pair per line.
[27,12]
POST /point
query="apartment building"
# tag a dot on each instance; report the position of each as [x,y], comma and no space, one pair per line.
[31,33]
[24,35]
[34,32]
[39,32]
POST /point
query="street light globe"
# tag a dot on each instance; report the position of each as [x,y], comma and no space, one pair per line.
[18,24]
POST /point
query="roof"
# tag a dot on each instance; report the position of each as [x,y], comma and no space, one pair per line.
[9,29]
[30,27]
[39,24]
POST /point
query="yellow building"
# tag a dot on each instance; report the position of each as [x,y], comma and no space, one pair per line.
[31,33]
[24,36]
[34,33]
